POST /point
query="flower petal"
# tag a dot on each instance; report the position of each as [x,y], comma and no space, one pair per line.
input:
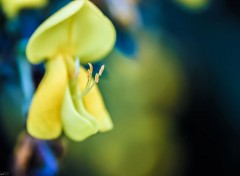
[77,125]
[93,34]
[94,104]
[79,29]
[44,115]
[51,34]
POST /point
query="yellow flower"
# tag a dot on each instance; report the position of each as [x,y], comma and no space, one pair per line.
[12,7]
[67,97]
[194,4]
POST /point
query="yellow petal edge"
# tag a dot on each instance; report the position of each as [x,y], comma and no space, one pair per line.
[75,125]
[79,29]
[44,120]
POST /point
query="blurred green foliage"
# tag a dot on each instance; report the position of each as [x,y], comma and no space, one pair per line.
[141,96]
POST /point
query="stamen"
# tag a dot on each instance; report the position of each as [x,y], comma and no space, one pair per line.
[89,75]
[77,67]
[101,70]
[97,77]
[90,67]
[90,81]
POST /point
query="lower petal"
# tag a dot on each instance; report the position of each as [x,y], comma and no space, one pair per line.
[94,104]
[44,115]
[77,125]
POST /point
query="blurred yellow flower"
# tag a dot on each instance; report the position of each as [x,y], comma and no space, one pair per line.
[194,4]
[12,7]
[67,97]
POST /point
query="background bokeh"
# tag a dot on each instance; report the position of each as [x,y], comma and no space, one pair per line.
[171,85]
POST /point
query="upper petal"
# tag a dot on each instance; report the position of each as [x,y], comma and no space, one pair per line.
[93,34]
[79,28]
[44,114]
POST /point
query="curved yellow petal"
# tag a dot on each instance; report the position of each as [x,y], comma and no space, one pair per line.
[44,120]
[51,34]
[76,125]
[93,34]
[12,7]
[79,29]
[94,104]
